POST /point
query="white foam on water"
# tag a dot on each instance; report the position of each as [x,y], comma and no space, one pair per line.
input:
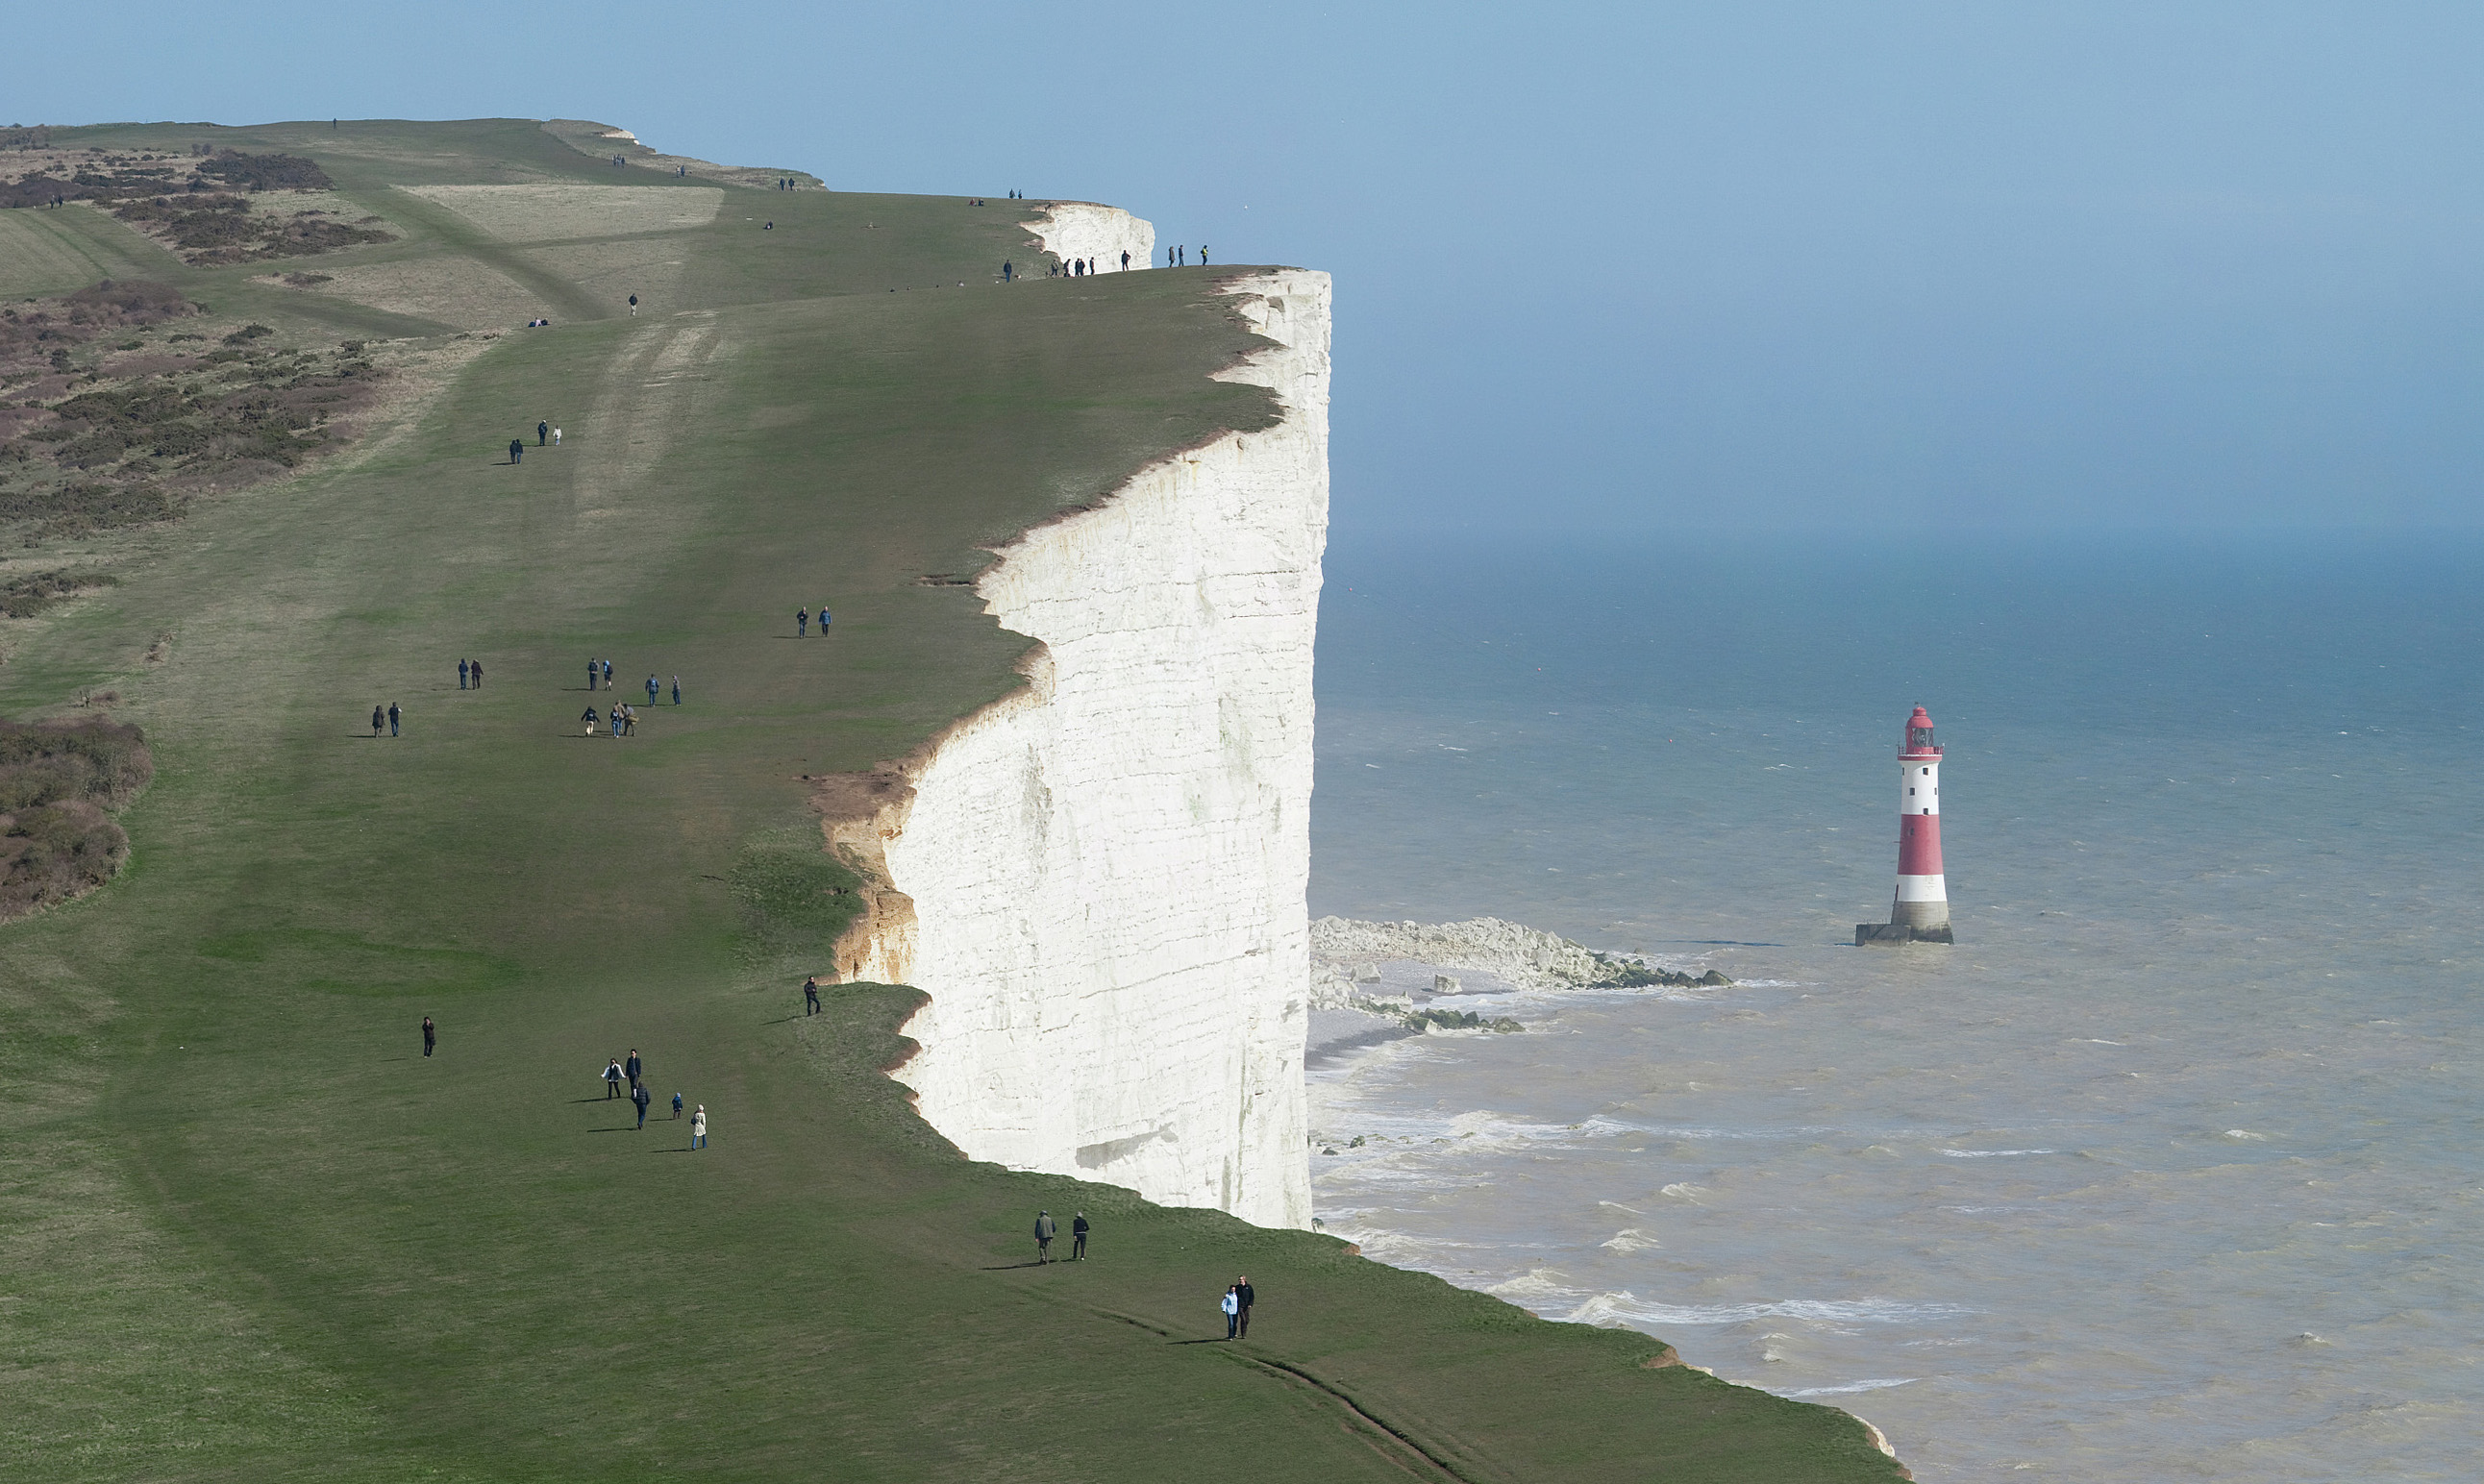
[1992,1153]
[1851,1386]
[1623,1307]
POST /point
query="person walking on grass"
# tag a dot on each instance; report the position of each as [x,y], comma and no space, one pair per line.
[677,1107]
[653,690]
[612,1079]
[1232,1304]
[1044,1229]
[1078,1237]
[1245,1297]
[543,433]
[677,690]
[608,674]
[801,623]
[632,1068]
[591,673]
[379,719]
[811,995]
[824,620]
[430,1036]
[640,1097]
[477,665]
[555,438]
[589,719]
[698,1127]
[517,450]
[396,716]
[461,674]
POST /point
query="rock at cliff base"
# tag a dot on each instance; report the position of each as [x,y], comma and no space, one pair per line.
[1443,983]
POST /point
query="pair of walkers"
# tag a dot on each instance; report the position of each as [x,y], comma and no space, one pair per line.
[802,621]
[1045,1229]
[1236,1305]
[390,717]
[598,671]
[624,720]
[654,690]
[469,674]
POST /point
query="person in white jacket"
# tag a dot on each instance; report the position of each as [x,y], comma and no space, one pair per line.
[698,1127]
[1231,1304]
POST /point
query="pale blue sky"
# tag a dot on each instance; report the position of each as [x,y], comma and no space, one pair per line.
[1619,266]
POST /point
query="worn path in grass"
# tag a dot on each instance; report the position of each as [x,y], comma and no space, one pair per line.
[255,1234]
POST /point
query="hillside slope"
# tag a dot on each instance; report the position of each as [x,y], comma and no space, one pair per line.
[259,1234]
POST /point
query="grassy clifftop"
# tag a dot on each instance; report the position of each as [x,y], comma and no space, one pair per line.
[257,1234]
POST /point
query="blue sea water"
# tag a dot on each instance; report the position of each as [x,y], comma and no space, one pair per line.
[2172,1168]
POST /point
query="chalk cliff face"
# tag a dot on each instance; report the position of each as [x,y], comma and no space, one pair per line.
[1072,230]
[1100,880]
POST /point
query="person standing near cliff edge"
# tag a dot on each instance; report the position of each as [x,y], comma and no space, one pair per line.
[1078,1237]
[811,995]
[1044,1230]
[1244,1296]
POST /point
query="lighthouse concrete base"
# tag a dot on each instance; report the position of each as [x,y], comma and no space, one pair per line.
[1899,933]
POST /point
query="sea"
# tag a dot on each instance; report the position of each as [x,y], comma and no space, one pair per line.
[2172,1168]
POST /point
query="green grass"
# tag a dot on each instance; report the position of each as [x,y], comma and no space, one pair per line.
[254,1234]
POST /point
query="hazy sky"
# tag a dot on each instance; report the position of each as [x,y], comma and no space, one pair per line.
[1626,265]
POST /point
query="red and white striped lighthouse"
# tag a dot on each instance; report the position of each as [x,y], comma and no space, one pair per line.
[1920,912]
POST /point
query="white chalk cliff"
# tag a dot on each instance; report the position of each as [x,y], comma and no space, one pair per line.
[1100,880]
[1072,230]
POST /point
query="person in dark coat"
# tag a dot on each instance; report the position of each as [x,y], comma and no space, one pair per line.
[608,674]
[1078,1237]
[677,690]
[477,666]
[591,673]
[379,719]
[1044,1229]
[632,1068]
[543,431]
[640,1097]
[430,1036]
[517,450]
[394,718]
[1242,1291]
[811,995]
[1008,271]
[461,674]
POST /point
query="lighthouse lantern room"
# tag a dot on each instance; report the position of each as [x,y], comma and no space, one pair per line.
[1920,911]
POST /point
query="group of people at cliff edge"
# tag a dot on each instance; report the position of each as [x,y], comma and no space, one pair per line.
[1234,1304]
[1080,267]
[634,1070]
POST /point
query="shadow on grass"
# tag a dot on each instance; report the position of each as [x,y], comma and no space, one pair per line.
[1212,1340]
[1011,1267]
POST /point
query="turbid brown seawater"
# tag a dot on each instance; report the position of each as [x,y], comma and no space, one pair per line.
[2167,1169]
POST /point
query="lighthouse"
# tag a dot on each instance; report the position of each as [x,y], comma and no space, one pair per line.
[1920,911]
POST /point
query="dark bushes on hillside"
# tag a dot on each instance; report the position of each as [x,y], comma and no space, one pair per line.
[56,780]
[24,597]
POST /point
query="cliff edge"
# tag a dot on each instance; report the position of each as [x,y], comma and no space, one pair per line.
[1099,880]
